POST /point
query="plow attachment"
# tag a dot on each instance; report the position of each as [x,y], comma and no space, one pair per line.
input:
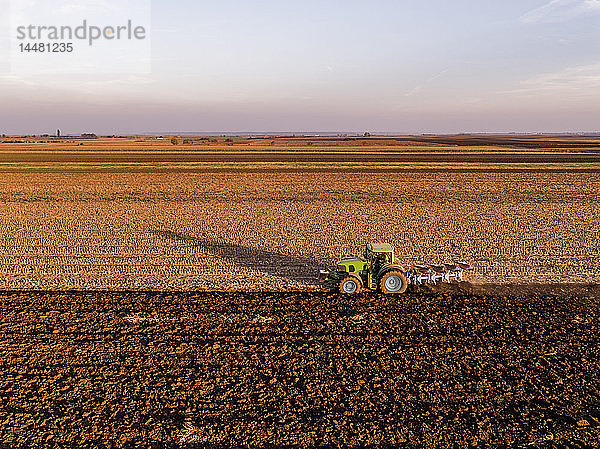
[434,274]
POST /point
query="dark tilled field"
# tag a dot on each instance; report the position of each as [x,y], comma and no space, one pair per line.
[501,367]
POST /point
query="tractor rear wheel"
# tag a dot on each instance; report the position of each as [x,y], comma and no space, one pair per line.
[350,285]
[393,282]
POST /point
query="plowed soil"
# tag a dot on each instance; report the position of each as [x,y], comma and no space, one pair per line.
[493,366]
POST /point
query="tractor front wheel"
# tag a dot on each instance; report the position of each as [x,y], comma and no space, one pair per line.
[350,285]
[393,282]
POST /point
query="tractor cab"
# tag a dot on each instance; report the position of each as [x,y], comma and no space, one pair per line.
[378,256]
[379,253]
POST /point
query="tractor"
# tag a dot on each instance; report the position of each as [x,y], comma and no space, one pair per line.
[377,270]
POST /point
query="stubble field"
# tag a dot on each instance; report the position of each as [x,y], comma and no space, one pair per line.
[272,230]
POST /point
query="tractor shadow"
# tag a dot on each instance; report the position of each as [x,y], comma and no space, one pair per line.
[286,266]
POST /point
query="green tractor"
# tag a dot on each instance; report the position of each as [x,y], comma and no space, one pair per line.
[378,270]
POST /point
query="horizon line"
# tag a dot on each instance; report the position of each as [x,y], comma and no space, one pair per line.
[297,133]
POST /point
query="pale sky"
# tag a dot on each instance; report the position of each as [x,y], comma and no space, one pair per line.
[406,66]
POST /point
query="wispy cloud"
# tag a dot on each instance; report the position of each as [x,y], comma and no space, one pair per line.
[418,89]
[561,10]
[572,81]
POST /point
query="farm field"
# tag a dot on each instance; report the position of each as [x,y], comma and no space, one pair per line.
[401,153]
[234,213]
[274,231]
[165,295]
[500,366]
